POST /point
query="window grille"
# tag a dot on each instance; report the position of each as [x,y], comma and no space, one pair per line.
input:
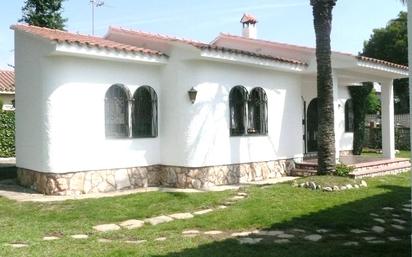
[349,117]
[145,112]
[238,97]
[116,112]
[257,108]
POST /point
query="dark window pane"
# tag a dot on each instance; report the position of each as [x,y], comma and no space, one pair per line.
[257,112]
[116,112]
[349,117]
[238,104]
[145,112]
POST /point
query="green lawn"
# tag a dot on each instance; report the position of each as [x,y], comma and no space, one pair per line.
[270,207]
[401,154]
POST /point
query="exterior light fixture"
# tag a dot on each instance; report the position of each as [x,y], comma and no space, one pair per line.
[192,95]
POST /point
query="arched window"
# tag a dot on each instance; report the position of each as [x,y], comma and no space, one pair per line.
[238,97]
[117,112]
[145,112]
[257,107]
[349,124]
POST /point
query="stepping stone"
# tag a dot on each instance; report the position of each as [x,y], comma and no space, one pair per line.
[50,238]
[18,245]
[407,210]
[286,236]
[249,240]
[237,198]
[376,242]
[369,238]
[270,232]
[357,231]
[134,241]
[222,207]
[104,240]
[202,212]
[399,221]
[281,241]
[213,232]
[388,208]
[228,203]
[351,243]
[299,230]
[132,224]
[407,205]
[161,239]
[181,216]
[188,232]
[396,215]
[398,227]
[241,194]
[190,235]
[158,220]
[106,227]
[313,237]
[393,239]
[379,220]
[377,229]
[374,214]
[80,236]
[322,230]
[246,233]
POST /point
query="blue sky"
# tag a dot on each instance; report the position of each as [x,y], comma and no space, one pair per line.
[288,21]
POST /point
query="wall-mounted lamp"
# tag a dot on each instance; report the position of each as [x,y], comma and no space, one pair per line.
[192,95]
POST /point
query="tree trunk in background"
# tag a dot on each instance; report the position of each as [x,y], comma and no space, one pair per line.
[322,14]
[359,96]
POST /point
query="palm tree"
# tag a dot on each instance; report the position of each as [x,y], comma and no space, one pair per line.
[322,16]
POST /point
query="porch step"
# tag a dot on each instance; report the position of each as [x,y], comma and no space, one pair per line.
[303,172]
[382,169]
[365,169]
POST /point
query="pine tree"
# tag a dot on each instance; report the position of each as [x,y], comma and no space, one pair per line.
[43,13]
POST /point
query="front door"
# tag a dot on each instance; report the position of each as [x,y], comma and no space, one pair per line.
[312,126]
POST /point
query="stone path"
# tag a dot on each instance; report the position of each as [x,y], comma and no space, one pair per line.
[364,235]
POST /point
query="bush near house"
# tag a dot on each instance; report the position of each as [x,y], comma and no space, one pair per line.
[7,131]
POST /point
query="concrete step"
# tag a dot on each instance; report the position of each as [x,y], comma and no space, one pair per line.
[303,172]
[382,171]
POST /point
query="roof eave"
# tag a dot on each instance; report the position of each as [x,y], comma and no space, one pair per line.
[80,50]
[228,57]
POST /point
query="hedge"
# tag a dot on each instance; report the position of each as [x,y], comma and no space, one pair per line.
[7,131]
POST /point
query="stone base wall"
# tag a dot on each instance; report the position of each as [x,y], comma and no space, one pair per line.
[85,182]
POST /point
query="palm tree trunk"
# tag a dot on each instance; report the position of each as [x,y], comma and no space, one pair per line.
[322,14]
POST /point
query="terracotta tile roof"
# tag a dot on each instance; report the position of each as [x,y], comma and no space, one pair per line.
[73,38]
[312,49]
[248,18]
[390,64]
[157,36]
[252,54]
[201,45]
[7,81]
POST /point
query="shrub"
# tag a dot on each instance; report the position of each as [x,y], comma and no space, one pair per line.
[7,131]
[343,170]
[1,105]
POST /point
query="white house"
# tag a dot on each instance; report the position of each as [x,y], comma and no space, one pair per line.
[7,89]
[100,114]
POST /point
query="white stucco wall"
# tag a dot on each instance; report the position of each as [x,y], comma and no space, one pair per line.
[60,115]
[198,134]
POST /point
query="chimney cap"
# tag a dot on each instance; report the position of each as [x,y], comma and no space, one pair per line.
[248,19]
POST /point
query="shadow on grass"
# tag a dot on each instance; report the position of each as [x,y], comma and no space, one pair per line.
[339,220]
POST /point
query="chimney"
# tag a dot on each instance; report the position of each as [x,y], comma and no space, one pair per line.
[249,26]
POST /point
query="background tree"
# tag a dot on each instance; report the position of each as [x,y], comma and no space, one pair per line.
[43,13]
[322,19]
[391,44]
[359,95]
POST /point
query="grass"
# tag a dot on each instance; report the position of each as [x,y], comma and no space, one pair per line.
[270,207]
[372,152]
